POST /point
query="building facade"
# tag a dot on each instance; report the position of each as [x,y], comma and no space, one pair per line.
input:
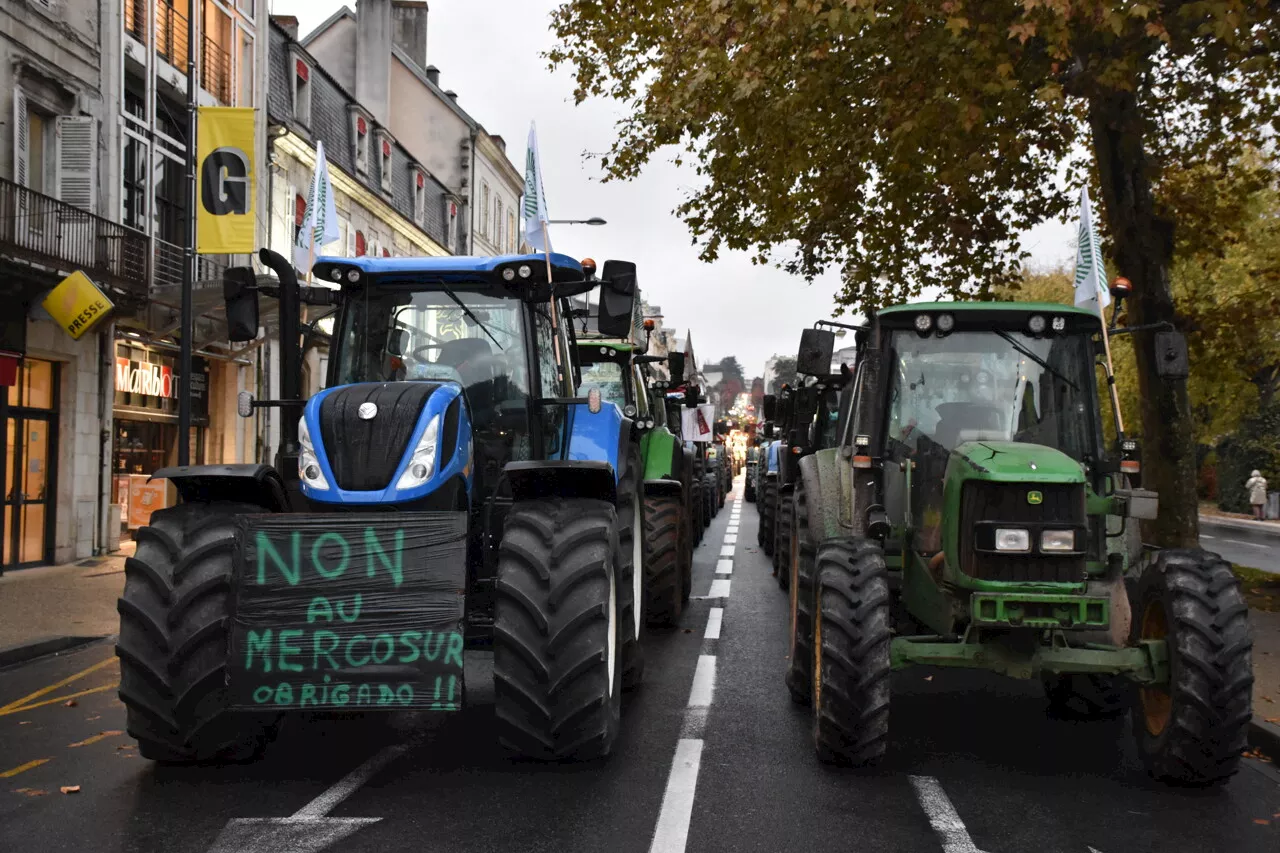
[402,92]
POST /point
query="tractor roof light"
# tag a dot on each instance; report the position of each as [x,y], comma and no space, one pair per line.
[629,410]
[1036,324]
[924,323]
[946,322]
[1059,323]
[862,441]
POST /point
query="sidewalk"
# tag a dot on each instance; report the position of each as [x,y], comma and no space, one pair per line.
[72,600]
[1210,514]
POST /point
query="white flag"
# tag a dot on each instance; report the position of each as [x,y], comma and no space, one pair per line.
[1092,291]
[535,201]
[696,424]
[320,224]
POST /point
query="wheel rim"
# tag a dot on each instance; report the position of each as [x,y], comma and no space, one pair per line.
[637,561]
[612,647]
[1157,703]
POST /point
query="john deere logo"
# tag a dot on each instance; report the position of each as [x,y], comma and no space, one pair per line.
[1035,498]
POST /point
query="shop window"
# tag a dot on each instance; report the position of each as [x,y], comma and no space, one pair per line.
[34,388]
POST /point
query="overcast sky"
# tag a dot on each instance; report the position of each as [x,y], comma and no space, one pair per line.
[488,51]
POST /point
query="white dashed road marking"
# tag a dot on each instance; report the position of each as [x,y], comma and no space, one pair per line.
[713,624]
[731,540]
[943,818]
[719,588]
[726,551]
[724,567]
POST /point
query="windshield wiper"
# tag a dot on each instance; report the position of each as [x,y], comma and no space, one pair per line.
[1037,359]
[472,316]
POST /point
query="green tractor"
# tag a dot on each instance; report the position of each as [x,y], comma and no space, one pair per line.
[621,373]
[971,516]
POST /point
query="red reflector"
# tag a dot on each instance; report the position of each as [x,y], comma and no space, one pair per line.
[1130,466]
[862,462]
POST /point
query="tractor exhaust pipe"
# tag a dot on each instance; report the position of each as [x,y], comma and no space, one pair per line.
[290,357]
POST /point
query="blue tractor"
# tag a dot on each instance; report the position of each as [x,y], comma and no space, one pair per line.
[445,491]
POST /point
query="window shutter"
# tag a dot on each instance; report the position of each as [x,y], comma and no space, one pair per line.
[77,142]
[21,142]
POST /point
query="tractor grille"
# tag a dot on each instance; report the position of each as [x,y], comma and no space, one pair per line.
[364,454]
[1007,504]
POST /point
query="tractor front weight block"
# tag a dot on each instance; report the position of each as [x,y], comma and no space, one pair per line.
[1147,663]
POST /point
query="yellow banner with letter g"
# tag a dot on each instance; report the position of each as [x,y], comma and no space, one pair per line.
[224,181]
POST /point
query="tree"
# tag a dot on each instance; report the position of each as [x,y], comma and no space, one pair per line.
[909,142]
[784,373]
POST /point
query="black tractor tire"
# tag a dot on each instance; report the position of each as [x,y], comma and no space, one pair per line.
[709,495]
[1082,696]
[749,490]
[723,486]
[175,618]
[663,544]
[799,676]
[851,631]
[697,508]
[1193,730]
[558,693]
[782,540]
[768,517]
[629,566]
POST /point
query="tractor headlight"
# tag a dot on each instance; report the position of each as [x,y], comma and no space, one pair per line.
[524,270]
[308,465]
[423,462]
[509,274]
[1058,540]
[1013,539]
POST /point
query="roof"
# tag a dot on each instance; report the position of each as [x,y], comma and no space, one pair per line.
[1046,307]
[449,263]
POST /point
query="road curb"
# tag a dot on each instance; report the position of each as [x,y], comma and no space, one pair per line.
[1263,527]
[23,652]
[1265,737]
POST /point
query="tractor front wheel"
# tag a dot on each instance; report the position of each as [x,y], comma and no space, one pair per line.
[851,637]
[557,630]
[1192,730]
[663,543]
[800,671]
[768,516]
[175,617]
[782,541]
[630,565]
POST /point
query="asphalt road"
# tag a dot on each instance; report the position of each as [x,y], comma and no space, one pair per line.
[1244,547]
[713,757]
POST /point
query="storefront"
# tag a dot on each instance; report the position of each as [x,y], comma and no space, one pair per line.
[146,427]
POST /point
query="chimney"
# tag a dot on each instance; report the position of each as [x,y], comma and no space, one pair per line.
[451,95]
[373,58]
[499,141]
[433,74]
[411,28]
[288,23]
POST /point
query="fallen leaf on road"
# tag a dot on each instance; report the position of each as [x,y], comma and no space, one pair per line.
[30,792]
[688,630]
[126,746]
[24,722]
[94,717]
[1261,821]
[1272,719]
[1256,591]
[71,703]
[928,678]
[70,789]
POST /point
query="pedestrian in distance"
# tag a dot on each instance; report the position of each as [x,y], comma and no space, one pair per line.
[1257,487]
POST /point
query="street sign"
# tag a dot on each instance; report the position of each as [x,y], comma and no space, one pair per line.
[77,304]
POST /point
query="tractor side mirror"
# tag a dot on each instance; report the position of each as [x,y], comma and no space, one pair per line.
[240,294]
[1171,355]
[617,299]
[675,363]
[770,406]
[816,349]
[397,342]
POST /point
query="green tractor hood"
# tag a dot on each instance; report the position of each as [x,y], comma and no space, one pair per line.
[1012,462]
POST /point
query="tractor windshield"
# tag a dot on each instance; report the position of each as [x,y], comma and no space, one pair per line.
[459,335]
[984,385]
[606,376]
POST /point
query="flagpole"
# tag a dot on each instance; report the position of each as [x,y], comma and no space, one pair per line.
[561,363]
[186,314]
[1111,376]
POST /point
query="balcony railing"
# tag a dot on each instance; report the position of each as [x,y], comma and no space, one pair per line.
[45,231]
[215,71]
[168,267]
[135,19]
[171,36]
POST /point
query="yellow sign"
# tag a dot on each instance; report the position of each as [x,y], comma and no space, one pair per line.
[77,305]
[224,181]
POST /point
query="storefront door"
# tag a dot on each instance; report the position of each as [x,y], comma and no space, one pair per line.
[31,427]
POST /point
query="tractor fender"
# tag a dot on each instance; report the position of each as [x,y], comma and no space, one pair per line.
[662,458]
[821,480]
[251,483]
[664,486]
[562,478]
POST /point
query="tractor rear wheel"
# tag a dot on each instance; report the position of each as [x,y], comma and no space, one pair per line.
[709,489]
[782,541]
[557,630]
[851,637]
[662,565]
[800,671]
[696,510]
[175,615]
[1192,730]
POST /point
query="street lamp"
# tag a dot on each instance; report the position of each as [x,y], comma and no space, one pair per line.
[595,220]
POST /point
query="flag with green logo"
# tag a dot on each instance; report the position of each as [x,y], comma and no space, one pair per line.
[1091,278]
[320,223]
[535,200]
